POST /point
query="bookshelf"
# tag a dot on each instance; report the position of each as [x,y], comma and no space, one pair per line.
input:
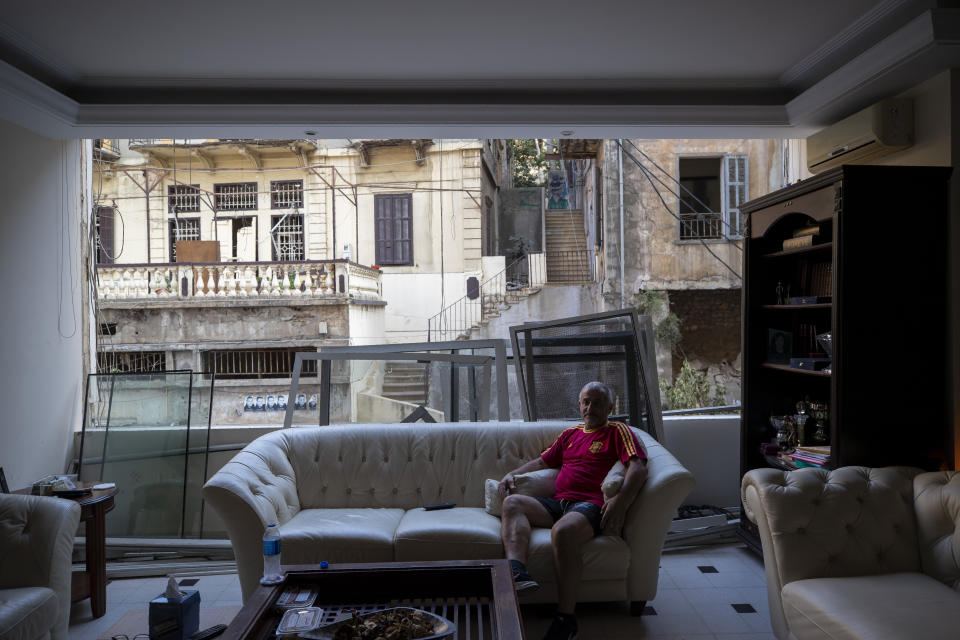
[875,275]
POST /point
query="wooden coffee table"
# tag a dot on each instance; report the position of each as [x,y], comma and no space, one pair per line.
[476,595]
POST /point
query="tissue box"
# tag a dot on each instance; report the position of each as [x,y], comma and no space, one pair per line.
[175,618]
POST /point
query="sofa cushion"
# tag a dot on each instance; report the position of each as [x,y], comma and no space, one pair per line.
[339,535]
[539,484]
[604,557]
[462,533]
[879,607]
[27,612]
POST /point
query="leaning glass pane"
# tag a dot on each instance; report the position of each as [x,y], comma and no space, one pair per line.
[135,434]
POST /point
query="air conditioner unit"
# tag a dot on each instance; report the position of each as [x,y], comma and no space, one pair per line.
[866,135]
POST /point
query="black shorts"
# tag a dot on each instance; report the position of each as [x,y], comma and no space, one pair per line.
[559,508]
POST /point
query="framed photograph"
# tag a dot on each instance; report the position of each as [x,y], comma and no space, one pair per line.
[779,346]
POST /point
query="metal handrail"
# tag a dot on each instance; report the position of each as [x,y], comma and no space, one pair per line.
[506,287]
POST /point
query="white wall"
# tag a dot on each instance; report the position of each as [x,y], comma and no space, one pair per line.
[709,446]
[41,334]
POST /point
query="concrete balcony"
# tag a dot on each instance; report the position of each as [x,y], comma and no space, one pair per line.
[233,281]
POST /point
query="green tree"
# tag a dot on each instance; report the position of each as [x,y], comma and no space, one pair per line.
[529,165]
[691,390]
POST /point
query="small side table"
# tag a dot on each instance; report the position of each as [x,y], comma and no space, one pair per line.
[93,582]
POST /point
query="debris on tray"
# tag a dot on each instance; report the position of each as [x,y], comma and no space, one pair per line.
[400,623]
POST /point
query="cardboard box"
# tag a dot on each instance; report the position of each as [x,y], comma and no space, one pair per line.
[175,618]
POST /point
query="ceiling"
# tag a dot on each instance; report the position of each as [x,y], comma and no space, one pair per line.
[448,68]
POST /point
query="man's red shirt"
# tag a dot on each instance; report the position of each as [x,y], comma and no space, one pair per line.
[585,457]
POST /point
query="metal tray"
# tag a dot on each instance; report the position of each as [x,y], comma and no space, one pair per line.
[442,627]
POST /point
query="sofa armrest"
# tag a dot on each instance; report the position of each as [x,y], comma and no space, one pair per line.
[255,488]
[649,517]
[36,549]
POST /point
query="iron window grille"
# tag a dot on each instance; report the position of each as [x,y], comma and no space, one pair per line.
[287,238]
[131,361]
[235,196]
[182,229]
[183,198]
[701,226]
[255,363]
[286,194]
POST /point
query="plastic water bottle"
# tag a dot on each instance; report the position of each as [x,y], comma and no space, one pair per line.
[271,555]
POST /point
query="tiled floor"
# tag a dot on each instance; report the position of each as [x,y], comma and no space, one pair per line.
[696,596]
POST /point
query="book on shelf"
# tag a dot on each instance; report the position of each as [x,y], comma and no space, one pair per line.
[823,450]
[796,243]
[810,230]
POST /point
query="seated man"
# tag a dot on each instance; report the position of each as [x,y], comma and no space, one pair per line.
[577,512]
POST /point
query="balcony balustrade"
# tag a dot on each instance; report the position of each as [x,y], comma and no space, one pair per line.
[237,280]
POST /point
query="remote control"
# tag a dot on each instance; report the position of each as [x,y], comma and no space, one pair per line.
[210,632]
[440,505]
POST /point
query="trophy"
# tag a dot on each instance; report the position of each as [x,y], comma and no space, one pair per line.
[826,343]
[786,437]
[821,415]
[800,419]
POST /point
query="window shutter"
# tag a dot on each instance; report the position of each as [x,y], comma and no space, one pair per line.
[393,219]
[735,190]
[105,235]
[403,223]
[384,240]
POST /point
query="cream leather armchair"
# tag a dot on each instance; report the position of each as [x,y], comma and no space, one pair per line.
[352,493]
[36,549]
[859,552]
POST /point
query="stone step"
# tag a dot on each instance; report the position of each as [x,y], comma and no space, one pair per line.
[414,397]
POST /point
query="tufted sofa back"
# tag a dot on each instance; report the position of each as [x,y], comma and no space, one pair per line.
[383,465]
[852,521]
[937,506]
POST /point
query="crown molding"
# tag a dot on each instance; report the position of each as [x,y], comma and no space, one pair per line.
[859,35]
[28,102]
[924,46]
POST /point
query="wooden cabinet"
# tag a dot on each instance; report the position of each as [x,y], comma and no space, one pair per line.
[875,276]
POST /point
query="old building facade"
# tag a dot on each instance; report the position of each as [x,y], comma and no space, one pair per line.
[228,256]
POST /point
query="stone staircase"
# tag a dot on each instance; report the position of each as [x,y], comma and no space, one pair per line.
[567,258]
[405,381]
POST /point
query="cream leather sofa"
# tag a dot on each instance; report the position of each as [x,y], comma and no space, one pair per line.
[351,493]
[36,551]
[859,552]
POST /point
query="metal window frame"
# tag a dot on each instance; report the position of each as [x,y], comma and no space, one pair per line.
[325,370]
[209,357]
[274,192]
[646,358]
[218,197]
[173,196]
[721,214]
[420,351]
[172,240]
[275,221]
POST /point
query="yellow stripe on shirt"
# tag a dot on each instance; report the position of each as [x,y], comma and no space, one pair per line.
[627,437]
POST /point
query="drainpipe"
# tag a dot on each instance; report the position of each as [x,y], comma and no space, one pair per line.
[620,172]
[146,196]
